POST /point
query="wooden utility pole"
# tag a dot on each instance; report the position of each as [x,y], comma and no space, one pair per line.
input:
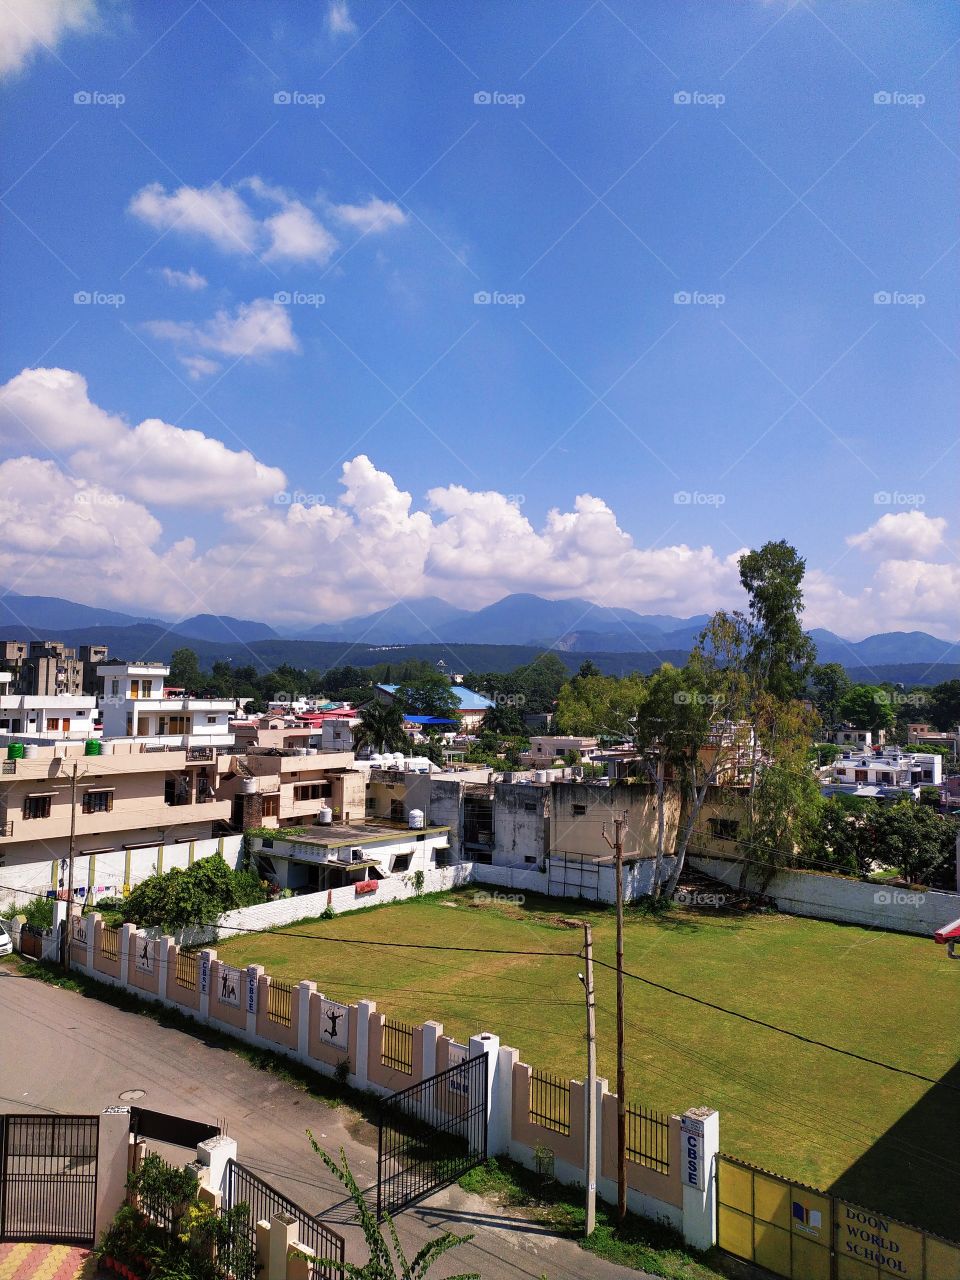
[617,846]
[591,1079]
[68,925]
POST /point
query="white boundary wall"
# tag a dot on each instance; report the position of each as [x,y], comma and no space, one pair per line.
[847,901]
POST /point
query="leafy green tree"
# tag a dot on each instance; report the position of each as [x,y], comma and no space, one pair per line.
[541,681]
[587,668]
[788,804]
[386,1258]
[780,654]
[380,728]
[429,695]
[944,705]
[198,894]
[867,706]
[830,684]
[600,706]
[185,670]
[503,718]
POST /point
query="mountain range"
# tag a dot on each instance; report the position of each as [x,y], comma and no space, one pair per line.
[521,621]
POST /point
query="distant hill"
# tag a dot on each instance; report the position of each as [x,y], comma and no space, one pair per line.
[520,624]
[210,626]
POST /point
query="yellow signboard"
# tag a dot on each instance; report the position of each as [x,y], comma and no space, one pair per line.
[890,1247]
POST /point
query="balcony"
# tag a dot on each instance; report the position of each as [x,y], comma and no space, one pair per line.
[199,753]
[6,830]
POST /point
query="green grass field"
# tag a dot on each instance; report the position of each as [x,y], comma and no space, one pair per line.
[803,1112]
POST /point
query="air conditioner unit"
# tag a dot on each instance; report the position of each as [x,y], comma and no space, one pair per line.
[356,855]
[344,855]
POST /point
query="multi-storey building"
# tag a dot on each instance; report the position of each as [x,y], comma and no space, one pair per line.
[134,705]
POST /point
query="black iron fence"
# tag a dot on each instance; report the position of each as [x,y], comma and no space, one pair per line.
[648,1138]
[549,1103]
[48,1178]
[431,1134]
[110,943]
[262,1201]
[186,970]
[396,1046]
[279,1002]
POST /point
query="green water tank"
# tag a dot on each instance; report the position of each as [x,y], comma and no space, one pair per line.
[15,751]
[91,747]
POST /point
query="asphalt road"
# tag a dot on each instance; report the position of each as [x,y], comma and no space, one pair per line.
[62,1052]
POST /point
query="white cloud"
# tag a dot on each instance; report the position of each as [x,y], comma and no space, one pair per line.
[290,231]
[375,215]
[339,22]
[906,533]
[254,330]
[198,367]
[361,546]
[27,26]
[49,411]
[190,280]
[217,213]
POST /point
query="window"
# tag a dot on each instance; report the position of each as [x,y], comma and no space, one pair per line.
[211,719]
[53,723]
[312,791]
[36,807]
[271,806]
[115,688]
[396,811]
[134,688]
[579,810]
[147,689]
[98,802]
[176,789]
[401,862]
[724,828]
[529,808]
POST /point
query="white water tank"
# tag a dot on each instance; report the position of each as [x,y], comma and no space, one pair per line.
[106,746]
[540,775]
[416,819]
[324,816]
[248,786]
[30,751]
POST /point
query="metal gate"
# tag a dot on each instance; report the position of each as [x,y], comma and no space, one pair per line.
[430,1135]
[263,1201]
[48,1178]
[31,941]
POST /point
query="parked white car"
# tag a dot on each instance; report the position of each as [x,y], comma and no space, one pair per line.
[6,942]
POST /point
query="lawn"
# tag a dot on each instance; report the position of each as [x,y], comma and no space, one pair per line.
[803,1112]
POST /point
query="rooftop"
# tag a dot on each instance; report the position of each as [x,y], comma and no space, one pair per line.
[468,699]
[337,834]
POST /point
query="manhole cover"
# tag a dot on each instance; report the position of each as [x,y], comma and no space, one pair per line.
[132,1095]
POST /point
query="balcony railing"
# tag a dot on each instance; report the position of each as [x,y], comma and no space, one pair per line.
[199,753]
[6,829]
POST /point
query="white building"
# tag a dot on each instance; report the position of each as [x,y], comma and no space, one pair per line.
[860,739]
[545,749]
[134,706]
[892,772]
[45,718]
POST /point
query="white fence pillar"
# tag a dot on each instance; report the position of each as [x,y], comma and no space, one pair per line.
[212,1155]
[254,972]
[164,946]
[306,988]
[365,1010]
[500,1122]
[488,1045]
[431,1031]
[207,957]
[699,1150]
[127,944]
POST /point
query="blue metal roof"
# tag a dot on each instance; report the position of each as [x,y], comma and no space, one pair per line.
[427,720]
[469,701]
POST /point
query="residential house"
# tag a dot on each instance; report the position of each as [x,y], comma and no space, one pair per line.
[470,710]
[889,773]
[135,706]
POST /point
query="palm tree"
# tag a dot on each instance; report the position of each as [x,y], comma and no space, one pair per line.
[380,727]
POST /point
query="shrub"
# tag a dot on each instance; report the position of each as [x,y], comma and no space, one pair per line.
[197,895]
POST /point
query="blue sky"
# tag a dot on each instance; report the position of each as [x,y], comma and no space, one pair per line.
[688,217]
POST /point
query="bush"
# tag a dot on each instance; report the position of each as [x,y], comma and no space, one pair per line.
[198,895]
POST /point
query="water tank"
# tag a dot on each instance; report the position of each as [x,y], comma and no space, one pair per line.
[302,751]
[416,820]
[324,816]
[91,747]
[30,751]
[106,747]
[248,786]
[15,751]
[540,775]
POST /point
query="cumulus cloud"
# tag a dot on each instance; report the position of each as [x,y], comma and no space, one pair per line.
[49,412]
[908,533]
[27,26]
[191,280]
[253,331]
[339,21]
[235,221]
